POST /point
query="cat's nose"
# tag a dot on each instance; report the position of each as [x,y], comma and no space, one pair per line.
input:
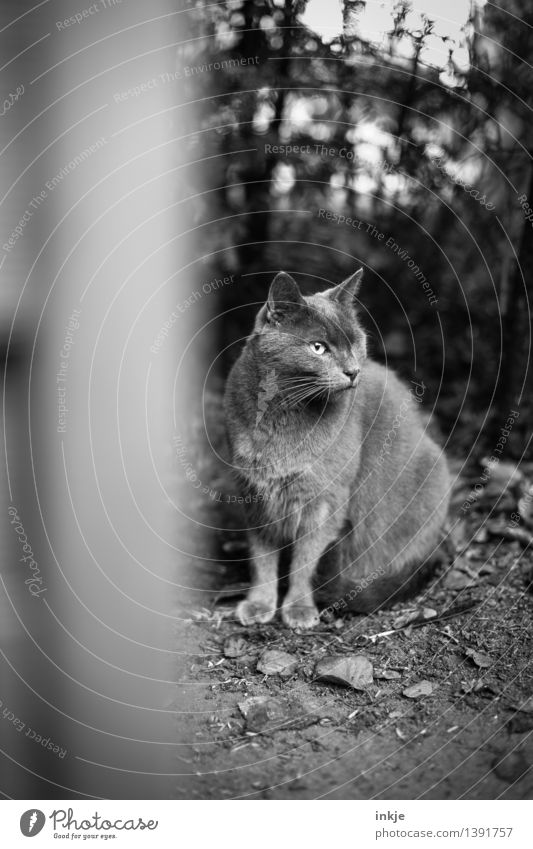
[352,374]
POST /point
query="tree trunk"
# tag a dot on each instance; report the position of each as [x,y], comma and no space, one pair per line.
[514,385]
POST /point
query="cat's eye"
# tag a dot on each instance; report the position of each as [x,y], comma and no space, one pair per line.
[319,348]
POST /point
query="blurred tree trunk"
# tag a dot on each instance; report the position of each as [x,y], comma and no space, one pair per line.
[258,177]
[514,385]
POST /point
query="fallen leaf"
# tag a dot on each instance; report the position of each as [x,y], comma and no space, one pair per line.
[457,580]
[235,646]
[480,659]
[274,662]
[408,617]
[246,706]
[387,674]
[421,688]
[266,714]
[261,712]
[349,670]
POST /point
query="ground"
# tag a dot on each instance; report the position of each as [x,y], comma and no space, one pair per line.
[468,737]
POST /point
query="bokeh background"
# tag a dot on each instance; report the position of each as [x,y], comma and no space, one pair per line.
[411,118]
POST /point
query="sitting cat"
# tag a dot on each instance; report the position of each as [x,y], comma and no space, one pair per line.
[333,458]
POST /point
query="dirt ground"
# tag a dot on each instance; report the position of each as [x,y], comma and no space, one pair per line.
[467,736]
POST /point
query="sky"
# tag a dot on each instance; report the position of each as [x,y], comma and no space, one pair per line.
[325,18]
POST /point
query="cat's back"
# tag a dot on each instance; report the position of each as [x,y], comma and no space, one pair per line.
[385,401]
[398,455]
[396,448]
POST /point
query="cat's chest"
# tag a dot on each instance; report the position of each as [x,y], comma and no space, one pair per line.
[272,457]
[284,499]
[292,459]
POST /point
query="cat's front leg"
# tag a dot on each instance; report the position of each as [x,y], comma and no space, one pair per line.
[261,602]
[315,533]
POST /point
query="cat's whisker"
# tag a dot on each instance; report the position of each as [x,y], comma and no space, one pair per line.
[296,377]
[284,401]
[287,395]
[309,394]
[300,381]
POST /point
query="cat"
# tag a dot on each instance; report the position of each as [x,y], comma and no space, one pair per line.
[333,459]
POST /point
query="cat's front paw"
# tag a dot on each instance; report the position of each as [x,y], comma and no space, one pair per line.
[254,612]
[300,616]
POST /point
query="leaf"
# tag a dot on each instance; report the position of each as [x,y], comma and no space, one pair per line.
[349,670]
[235,646]
[274,662]
[409,617]
[457,580]
[421,688]
[480,659]
[387,674]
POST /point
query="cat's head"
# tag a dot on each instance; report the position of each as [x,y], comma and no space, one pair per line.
[313,341]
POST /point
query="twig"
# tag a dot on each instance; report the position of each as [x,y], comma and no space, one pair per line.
[448,614]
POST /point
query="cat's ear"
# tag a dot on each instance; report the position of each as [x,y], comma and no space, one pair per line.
[346,292]
[284,296]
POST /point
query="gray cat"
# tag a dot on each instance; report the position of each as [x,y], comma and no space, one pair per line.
[333,461]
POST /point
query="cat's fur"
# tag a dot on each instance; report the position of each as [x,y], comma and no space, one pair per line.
[333,460]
